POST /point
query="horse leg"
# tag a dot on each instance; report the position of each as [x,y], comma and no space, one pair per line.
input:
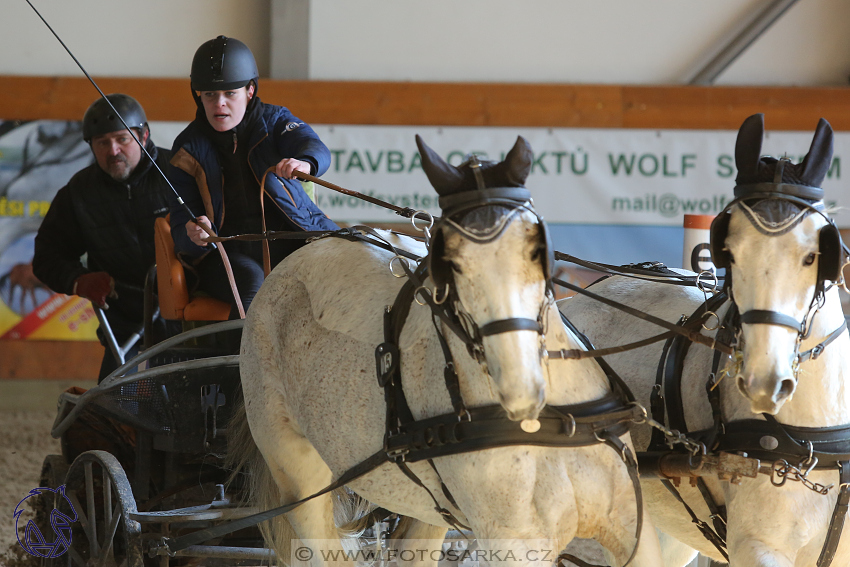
[416,544]
[755,553]
[619,548]
[674,552]
[299,471]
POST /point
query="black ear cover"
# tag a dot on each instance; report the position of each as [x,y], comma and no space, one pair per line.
[719,231]
[829,261]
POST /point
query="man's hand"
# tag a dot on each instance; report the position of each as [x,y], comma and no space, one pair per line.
[96,287]
[287,167]
[196,233]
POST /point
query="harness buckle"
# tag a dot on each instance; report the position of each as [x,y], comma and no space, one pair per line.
[397,454]
[817,350]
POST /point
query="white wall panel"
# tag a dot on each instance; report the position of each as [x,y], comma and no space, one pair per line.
[563,41]
[124,38]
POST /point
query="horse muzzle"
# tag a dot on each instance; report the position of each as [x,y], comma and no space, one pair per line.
[523,411]
[766,394]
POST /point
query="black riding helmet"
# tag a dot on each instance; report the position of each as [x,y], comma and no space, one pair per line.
[223,63]
[101,119]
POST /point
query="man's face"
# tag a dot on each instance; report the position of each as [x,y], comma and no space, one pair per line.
[225,109]
[117,153]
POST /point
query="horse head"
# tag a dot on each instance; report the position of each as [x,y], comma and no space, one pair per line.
[489,258]
[779,248]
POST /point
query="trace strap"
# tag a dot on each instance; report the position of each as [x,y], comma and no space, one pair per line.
[839,514]
[692,334]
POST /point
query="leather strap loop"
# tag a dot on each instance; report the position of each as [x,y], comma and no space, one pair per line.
[508,325]
[764,317]
[839,514]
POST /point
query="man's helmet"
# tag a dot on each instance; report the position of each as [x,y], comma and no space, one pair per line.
[101,119]
[221,64]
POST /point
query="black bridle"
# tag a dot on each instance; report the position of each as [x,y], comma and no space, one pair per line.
[444,300]
[837,252]
[821,447]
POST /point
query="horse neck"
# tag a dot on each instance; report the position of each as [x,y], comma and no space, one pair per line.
[570,381]
[567,381]
[822,397]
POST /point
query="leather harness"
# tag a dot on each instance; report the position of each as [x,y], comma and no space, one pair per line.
[407,440]
[766,439]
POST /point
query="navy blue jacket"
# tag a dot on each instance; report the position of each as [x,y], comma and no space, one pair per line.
[196,175]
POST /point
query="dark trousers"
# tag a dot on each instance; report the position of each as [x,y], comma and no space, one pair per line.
[246,261]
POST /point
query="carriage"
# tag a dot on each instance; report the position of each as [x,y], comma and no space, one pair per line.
[143,452]
[185,491]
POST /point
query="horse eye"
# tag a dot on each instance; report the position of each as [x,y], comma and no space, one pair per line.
[731,258]
[455,268]
[536,254]
[810,259]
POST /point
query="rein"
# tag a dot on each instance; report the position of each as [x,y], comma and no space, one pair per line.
[228,270]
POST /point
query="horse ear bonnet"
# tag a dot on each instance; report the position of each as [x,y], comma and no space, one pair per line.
[747,160]
[830,260]
[759,174]
[717,240]
[457,185]
[446,179]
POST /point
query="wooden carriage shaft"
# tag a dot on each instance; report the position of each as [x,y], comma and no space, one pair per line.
[725,466]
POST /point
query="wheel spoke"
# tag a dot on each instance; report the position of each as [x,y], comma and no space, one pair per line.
[110,535]
[76,557]
[107,498]
[95,550]
[81,515]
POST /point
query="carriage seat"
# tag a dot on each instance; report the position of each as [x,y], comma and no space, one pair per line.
[174,300]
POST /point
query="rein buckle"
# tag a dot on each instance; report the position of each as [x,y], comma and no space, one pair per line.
[397,454]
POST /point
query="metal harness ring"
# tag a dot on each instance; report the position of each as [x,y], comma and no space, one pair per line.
[400,258]
[427,219]
[713,327]
[700,283]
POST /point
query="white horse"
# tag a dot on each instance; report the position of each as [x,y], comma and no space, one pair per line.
[315,408]
[777,254]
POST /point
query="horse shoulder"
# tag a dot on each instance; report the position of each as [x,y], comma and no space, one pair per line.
[348,285]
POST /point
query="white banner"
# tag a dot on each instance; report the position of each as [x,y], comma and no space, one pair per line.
[579,176]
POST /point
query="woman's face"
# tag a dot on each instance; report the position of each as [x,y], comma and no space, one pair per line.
[225,109]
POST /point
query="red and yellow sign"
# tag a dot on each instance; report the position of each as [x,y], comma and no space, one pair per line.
[61,317]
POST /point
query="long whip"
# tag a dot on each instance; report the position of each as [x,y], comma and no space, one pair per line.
[142,146]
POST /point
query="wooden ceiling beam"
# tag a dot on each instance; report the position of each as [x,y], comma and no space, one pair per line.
[457,104]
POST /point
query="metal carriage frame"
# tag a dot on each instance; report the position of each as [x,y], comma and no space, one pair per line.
[164,429]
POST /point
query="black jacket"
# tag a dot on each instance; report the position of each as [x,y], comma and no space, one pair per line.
[112,222]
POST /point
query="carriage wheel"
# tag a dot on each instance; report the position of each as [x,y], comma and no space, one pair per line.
[103,535]
[53,471]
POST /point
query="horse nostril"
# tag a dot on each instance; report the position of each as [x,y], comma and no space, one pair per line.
[786,389]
